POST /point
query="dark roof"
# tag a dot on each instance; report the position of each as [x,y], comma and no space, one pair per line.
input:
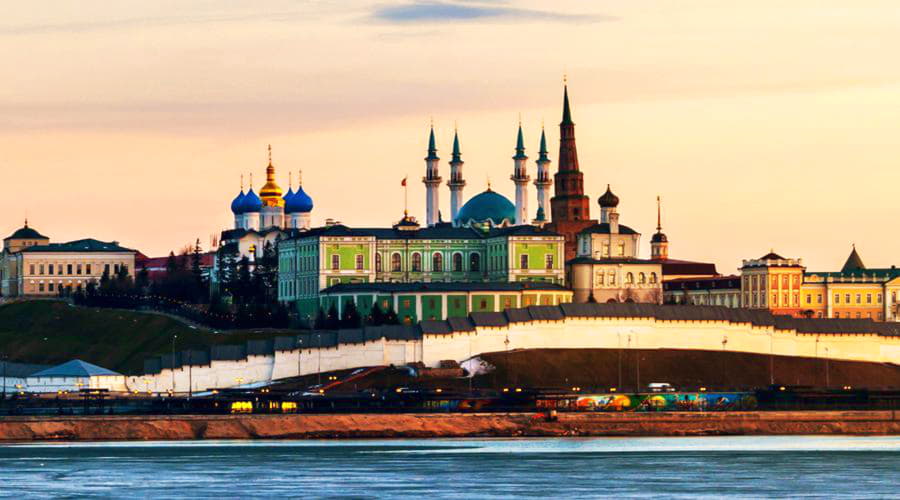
[440,287]
[442,231]
[14,369]
[886,274]
[493,319]
[675,267]
[85,245]
[603,228]
[771,256]
[611,260]
[75,368]
[608,199]
[25,233]
[854,263]
[711,283]
[236,234]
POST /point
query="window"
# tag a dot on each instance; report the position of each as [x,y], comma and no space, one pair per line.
[78,269]
[335,262]
[819,298]
[69,269]
[774,281]
[416,262]
[600,278]
[642,278]
[395,263]
[475,262]
[378,264]
[808,299]
[457,262]
[612,277]
[106,269]
[847,298]
[859,298]
[406,303]
[40,287]
[87,269]
[523,261]
[50,269]
[31,268]
[621,251]
[879,298]
[42,269]
[605,252]
[868,298]
[774,300]
[359,262]
[837,298]
[629,279]
[437,263]
[50,287]
[652,277]
[548,261]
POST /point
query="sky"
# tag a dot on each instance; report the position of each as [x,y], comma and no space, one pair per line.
[762,125]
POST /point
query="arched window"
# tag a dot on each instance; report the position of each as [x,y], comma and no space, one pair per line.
[378,264]
[395,263]
[475,262]
[642,278]
[457,262]
[437,262]
[612,277]
[629,279]
[335,261]
[652,277]
[416,262]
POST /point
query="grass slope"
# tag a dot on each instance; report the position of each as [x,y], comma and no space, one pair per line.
[51,332]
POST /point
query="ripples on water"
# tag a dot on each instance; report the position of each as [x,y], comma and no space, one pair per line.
[746,466]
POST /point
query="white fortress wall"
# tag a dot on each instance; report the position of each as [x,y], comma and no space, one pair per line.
[568,333]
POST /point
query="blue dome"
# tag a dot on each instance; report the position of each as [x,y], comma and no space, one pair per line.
[287,196]
[236,207]
[252,203]
[300,202]
[487,206]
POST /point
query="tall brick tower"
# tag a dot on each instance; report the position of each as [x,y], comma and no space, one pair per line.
[570,208]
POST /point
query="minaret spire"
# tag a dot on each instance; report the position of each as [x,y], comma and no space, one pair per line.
[658,214]
[543,182]
[659,243]
[432,181]
[520,178]
[456,182]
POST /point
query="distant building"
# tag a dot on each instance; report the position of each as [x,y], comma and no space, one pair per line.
[706,291]
[784,286]
[415,302]
[32,266]
[157,267]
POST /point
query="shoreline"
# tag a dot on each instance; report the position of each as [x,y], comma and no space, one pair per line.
[444,425]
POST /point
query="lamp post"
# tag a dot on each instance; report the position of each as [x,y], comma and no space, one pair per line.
[173,363]
[299,352]
[319,368]
[772,357]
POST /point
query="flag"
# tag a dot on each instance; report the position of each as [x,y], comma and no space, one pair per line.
[403,182]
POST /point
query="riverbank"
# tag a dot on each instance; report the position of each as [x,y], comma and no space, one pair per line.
[346,426]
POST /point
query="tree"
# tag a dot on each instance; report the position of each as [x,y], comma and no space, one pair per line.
[376,316]
[350,316]
[390,317]
[197,271]
[321,319]
[332,321]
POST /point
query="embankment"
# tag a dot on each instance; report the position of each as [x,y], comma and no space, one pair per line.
[345,426]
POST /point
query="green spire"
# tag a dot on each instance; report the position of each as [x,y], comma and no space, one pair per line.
[520,146]
[456,153]
[543,151]
[567,114]
[432,149]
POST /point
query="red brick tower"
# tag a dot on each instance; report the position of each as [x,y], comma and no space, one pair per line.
[570,207]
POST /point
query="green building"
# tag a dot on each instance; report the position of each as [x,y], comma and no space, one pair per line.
[323,257]
[415,302]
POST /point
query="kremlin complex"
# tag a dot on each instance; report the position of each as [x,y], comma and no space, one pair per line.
[492,253]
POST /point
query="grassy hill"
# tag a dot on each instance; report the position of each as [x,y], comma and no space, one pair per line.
[50,332]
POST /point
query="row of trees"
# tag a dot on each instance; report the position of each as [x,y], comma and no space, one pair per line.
[350,317]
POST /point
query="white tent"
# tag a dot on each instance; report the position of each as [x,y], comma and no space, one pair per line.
[73,376]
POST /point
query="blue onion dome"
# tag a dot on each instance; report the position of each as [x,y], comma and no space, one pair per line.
[608,200]
[236,204]
[252,203]
[300,202]
[287,196]
[487,207]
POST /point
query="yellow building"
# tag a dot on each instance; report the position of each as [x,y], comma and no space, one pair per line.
[853,292]
[32,266]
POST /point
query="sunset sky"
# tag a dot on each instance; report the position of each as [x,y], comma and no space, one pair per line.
[763,125]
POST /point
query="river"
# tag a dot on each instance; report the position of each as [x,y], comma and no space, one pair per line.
[748,466]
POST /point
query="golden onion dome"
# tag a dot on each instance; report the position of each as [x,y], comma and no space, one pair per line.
[271,193]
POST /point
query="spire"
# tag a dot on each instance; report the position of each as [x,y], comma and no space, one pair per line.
[432,149]
[456,153]
[251,180]
[520,145]
[290,181]
[299,178]
[26,222]
[242,183]
[854,262]
[567,113]
[658,214]
[543,151]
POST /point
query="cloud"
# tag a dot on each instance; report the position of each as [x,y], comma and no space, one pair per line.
[436,12]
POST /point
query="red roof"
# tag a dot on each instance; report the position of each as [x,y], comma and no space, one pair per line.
[689,267]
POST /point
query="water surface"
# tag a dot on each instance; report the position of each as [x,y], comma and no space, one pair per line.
[748,466]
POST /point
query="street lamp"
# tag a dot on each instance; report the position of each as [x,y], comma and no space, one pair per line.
[319,367]
[173,363]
